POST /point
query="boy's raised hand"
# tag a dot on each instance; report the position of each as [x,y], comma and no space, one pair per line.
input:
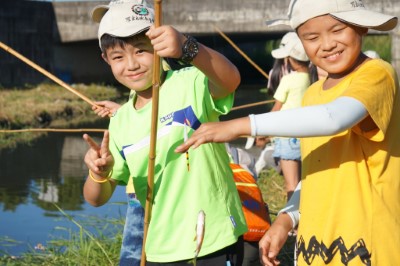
[216,132]
[99,158]
[166,41]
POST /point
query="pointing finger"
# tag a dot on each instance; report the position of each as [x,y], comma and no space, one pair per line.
[104,150]
[92,144]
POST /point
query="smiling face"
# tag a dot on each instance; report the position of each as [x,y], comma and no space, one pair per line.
[132,63]
[332,45]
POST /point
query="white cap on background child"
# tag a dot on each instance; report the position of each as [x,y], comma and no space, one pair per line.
[350,11]
[287,37]
[290,46]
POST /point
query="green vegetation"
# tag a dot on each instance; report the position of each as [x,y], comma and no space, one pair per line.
[48,106]
[381,43]
[272,186]
[81,248]
[86,248]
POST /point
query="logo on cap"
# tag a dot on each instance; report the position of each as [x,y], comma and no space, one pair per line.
[140,10]
[357,4]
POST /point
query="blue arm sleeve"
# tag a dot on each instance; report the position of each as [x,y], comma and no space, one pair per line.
[318,120]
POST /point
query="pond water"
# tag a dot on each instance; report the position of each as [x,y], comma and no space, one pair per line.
[34,179]
[51,171]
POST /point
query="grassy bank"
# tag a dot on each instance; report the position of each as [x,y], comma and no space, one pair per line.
[51,106]
[85,248]
[47,106]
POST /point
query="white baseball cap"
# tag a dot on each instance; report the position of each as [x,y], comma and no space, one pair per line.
[126,19]
[350,11]
[98,12]
[290,46]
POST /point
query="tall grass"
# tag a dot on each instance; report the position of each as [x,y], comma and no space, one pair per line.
[83,247]
[272,186]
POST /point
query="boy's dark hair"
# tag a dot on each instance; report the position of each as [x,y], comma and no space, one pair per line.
[108,41]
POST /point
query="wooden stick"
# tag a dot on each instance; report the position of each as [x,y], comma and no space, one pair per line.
[153,134]
[76,130]
[46,73]
[251,105]
[241,52]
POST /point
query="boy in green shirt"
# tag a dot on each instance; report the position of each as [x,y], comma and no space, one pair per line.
[188,98]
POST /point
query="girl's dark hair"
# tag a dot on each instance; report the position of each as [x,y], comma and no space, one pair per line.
[312,69]
[278,69]
[276,74]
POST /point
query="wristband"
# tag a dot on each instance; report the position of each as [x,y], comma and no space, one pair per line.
[100,181]
[252,125]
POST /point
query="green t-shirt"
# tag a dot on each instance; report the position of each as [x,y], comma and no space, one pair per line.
[179,193]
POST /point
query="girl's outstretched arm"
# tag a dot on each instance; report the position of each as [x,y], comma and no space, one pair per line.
[318,120]
[217,132]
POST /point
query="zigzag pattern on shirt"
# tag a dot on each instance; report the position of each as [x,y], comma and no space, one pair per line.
[315,248]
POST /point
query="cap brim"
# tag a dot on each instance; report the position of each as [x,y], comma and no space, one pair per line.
[98,12]
[279,53]
[368,19]
[277,22]
[249,143]
[127,32]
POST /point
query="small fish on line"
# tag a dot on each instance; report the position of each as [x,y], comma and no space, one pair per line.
[199,237]
[200,228]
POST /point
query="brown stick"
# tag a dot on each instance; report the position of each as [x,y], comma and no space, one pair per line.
[79,130]
[46,73]
[241,52]
[153,134]
[251,105]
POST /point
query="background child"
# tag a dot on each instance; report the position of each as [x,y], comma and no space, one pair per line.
[288,95]
[350,198]
[279,69]
[188,97]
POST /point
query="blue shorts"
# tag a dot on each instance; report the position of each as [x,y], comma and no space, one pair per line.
[132,239]
[287,149]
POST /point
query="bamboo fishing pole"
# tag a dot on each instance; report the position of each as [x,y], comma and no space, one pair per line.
[80,130]
[57,130]
[153,133]
[47,74]
[251,105]
[241,52]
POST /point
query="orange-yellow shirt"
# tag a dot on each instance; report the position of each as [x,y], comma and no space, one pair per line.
[350,199]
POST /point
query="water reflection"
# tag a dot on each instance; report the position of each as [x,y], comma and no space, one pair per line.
[34,178]
[50,171]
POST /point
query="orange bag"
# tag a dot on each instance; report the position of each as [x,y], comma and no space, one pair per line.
[254,209]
